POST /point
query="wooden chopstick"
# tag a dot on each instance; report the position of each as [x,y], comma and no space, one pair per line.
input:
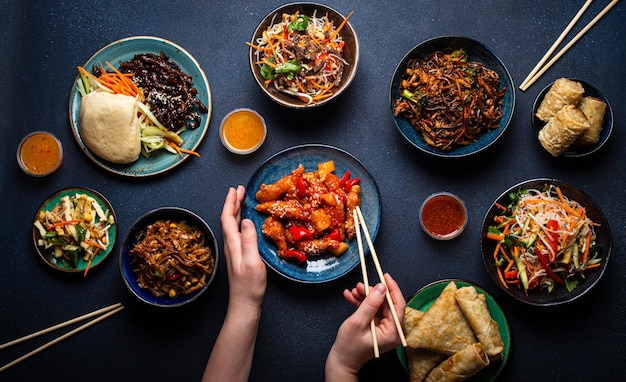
[580,34]
[381,276]
[366,282]
[108,311]
[556,43]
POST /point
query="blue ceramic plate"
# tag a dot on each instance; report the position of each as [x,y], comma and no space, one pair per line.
[607,126]
[326,267]
[47,255]
[125,259]
[560,295]
[476,52]
[126,49]
[425,297]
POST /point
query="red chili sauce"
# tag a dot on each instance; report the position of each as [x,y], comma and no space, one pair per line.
[443,215]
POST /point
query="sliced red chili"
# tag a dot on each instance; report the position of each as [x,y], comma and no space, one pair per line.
[344,178]
[173,277]
[351,183]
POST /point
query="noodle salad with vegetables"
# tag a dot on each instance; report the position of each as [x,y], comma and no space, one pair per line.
[544,239]
[302,56]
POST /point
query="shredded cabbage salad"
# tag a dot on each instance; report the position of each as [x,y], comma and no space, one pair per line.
[302,56]
[544,239]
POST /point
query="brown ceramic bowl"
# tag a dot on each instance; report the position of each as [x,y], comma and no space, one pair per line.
[350,52]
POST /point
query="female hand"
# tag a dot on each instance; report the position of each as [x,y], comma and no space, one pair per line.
[353,346]
[247,275]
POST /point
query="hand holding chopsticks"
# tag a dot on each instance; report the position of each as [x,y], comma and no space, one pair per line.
[538,71]
[358,219]
[106,312]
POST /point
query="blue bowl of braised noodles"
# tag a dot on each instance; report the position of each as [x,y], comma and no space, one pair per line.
[476,52]
[172,277]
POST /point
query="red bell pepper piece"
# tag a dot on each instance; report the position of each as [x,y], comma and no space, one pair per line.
[298,233]
[552,237]
[546,265]
[351,183]
[334,235]
[295,254]
[301,187]
[510,274]
[173,277]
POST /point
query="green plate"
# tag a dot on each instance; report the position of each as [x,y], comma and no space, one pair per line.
[425,297]
[47,255]
[125,49]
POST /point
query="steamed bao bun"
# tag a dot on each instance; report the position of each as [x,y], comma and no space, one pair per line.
[109,126]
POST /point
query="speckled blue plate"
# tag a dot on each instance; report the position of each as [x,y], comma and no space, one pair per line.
[326,267]
[125,258]
[425,297]
[126,49]
[607,125]
[47,255]
[476,52]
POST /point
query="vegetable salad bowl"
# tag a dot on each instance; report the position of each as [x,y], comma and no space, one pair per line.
[329,70]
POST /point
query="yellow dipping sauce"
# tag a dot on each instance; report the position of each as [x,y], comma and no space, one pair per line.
[40,153]
[244,130]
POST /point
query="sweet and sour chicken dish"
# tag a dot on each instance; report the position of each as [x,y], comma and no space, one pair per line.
[309,213]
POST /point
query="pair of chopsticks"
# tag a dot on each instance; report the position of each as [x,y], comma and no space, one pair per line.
[538,71]
[358,219]
[106,312]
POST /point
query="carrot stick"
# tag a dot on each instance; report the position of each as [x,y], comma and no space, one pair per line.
[343,23]
[181,150]
[566,205]
[59,224]
[90,261]
[94,244]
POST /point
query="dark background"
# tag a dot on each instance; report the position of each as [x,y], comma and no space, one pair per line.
[42,42]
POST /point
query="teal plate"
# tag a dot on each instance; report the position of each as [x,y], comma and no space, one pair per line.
[425,297]
[47,255]
[324,268]
[126,49]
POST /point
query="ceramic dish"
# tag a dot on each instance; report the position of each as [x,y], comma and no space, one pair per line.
[350,51]
[443,216]
[126,49]
[326,267]
[560,295]
[40,153]
[425,297]
[476,51]
[47,255]
[607,126]
[125,258]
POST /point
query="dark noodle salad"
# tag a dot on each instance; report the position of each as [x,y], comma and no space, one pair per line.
[171,258]
[449,100]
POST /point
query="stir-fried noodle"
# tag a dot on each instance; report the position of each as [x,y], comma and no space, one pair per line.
[172,258]
[449,100]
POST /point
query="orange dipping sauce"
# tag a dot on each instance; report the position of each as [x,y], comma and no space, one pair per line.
[243,131]
[40,153]
[443,216]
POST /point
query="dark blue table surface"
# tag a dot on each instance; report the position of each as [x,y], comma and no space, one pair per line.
[42,42]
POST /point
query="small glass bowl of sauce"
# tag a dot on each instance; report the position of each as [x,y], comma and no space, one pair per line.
[243,131]
[40,153]
[443,216]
